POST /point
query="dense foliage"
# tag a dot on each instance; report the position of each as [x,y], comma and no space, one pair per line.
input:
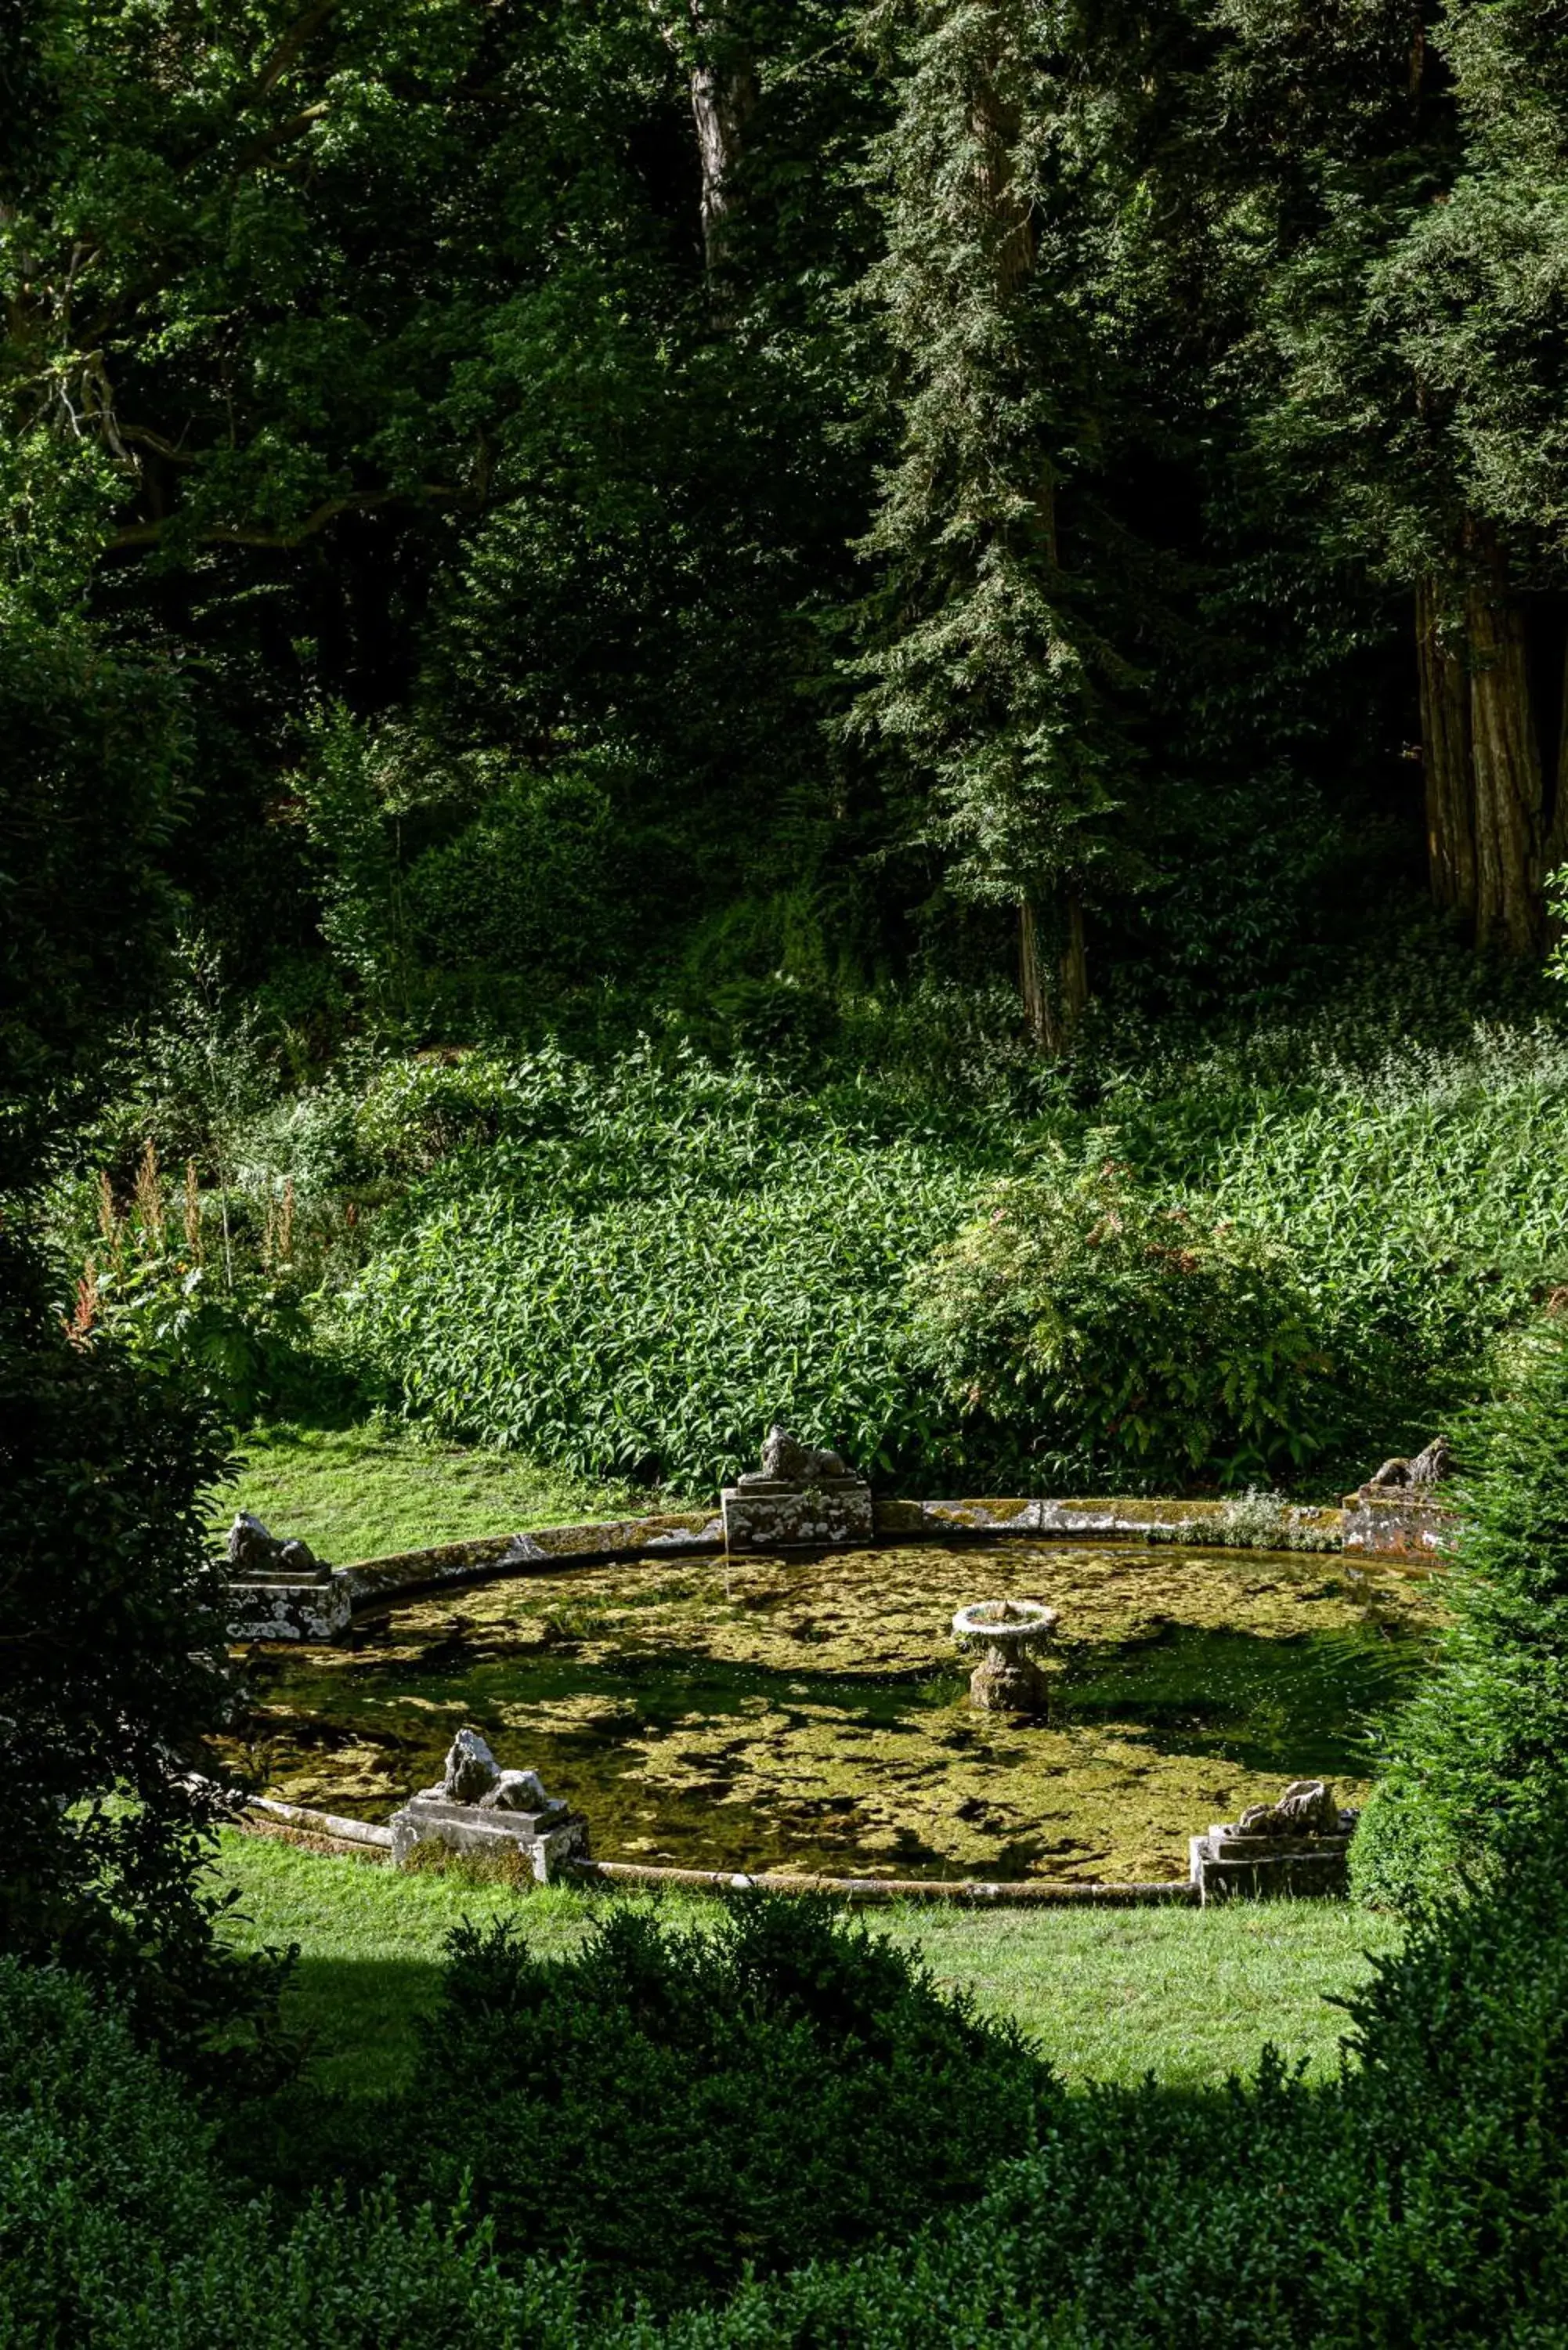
[117,2228]
[1126,1334]
[1474,1760]
[112,1672]
[674,2107]
[983,494]
[629,1264]
[707,710]
[1418,2198]
[935,552]
[1422,2199]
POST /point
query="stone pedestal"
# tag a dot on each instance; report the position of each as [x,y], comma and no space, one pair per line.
[279,1590]
[1299,1848]
[1010,1634]
[1397,1522]
[543,1839]
[801,1496]
[772,1513]
[1004,1684]
[273,1609]
[1223,1863]
[479,1808]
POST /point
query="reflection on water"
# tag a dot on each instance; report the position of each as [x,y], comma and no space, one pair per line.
[812,1714]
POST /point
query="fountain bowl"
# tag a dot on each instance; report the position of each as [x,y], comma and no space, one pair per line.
[1009,1633]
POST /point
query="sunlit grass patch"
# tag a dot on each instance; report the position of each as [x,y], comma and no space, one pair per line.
[1190,1995]
[366,1491]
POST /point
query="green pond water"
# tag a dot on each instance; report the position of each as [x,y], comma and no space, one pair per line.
[812,1714]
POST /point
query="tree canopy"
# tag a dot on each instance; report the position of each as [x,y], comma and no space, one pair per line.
[830,488]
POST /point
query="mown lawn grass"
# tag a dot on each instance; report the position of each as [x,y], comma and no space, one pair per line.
[1188,1995]
[364,1492]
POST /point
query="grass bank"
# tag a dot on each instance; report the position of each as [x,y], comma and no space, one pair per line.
[1188,1995]
[365,1492]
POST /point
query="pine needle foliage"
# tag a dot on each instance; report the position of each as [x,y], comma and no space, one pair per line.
[1477,1756]
[983,682]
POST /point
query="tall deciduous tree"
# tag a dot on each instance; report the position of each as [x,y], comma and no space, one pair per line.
[721,67]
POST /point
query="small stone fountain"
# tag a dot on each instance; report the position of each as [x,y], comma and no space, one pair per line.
[1009,1633]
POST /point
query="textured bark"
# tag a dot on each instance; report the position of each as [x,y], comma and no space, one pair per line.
[1031,978]
[1555,855]
[1505,757]
[721,104]
[723,84]
[1445,757]
[996,127]
[1052,977]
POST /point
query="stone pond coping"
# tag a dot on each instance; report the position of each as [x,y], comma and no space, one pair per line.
[1395,1522]
[1394,1526]
[695,1533]
[1024,1894]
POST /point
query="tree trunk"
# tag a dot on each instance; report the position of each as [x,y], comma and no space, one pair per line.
[723,84]
[1444,757]
[1505,755]
[1555,855]
[722,100]
[1054,1000]
[1031,978]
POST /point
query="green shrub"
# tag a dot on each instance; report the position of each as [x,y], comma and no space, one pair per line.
[111,1668]
[1421,2199]
[690,2112]
[243,1349]
[537,879]
[1122,1335]
[118,2230]
[1480,1752]
[632,1265]
[631,1272]
[681,2106]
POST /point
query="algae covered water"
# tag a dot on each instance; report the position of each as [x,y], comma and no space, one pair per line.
[812,1714]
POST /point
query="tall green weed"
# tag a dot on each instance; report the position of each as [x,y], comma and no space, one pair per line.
[639,1277]
[630,1267]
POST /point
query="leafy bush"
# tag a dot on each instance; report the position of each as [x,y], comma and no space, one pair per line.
[97,752]
[1422,2199]
[538,878]
[631,1272]
[632,1265]
[677,2106]
[1478,1755]
[242,1349]
[118,2229]
[417,1112]
[1119,1335]
[111,1669]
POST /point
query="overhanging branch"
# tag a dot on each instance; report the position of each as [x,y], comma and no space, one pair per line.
[140,535]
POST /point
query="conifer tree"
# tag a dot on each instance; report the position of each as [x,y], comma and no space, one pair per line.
[984,681]
[1476,1759]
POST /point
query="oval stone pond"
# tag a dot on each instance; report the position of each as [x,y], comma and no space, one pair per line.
[812,1714]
